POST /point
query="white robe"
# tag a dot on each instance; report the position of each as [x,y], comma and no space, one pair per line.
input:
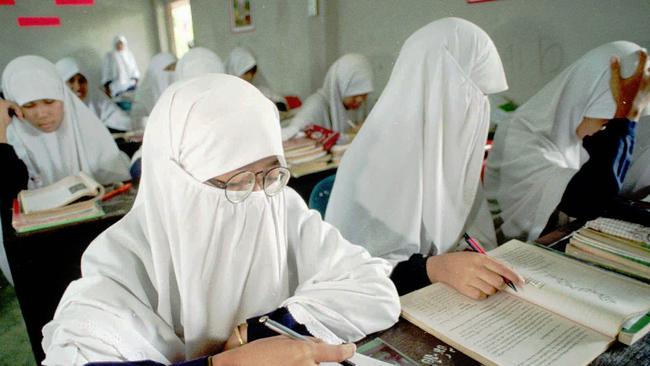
[171,279]
[240,60]
[104,108]
[348,76]
[410,181]
[198,61]
[81,143]
[154,83]
[120,68]
[536,153]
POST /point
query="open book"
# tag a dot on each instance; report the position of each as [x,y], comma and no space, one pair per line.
[61,193]
[567,313]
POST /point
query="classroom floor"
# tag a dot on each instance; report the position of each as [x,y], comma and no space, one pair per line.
[15,349]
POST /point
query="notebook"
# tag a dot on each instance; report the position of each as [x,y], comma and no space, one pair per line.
[568,312]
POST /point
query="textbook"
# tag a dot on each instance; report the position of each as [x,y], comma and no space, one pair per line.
[568,312]
[614,244]
[63,192]
[81,211]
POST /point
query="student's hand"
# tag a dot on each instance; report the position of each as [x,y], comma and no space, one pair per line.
[281,350]
[472,274]
[5,119]
[632,95]
[233,340]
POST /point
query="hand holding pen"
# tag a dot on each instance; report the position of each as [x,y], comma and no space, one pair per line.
[282,330]
[475,246]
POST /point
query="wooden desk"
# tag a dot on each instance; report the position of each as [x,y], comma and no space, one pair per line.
[44,262]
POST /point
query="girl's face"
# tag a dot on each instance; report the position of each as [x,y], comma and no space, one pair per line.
[79,85]
[44,114]
[354,101]
[250,74]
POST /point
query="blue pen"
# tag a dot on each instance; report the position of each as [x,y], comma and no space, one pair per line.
[281,329]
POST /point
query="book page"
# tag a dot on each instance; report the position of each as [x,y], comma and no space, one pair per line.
[503,329]
[599,299]
[60,193]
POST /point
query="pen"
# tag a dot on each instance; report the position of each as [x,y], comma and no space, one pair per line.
[117,191]
[281,329]
[475,246]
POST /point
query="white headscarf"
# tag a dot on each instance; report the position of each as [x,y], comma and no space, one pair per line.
[240,60]
[107,111]
[198,61]
[81,143]
[537,152]
[409,181]
[171,280]
[350,75]
[120,67]
[155,81]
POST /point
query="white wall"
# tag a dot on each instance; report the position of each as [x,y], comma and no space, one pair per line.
[292,48]
[536,38]
[86,33]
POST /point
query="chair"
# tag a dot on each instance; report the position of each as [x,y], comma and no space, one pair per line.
[320,195]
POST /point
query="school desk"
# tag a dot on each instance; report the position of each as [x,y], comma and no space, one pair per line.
[44,262]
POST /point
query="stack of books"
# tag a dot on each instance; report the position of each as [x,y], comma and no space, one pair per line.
[614,244]
[72,199]
[305,155]
[338,151]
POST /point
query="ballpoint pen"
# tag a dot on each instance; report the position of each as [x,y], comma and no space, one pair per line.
[281,329]
[475,246]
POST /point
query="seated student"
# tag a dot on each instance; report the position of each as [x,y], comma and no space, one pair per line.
[242,63]
[158,77]
[566,150]
[198,61]
[346,87]
[408,187]
[115,119]
[215,240]
[120,71]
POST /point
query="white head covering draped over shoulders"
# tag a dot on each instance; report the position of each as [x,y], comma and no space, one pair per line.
[537,152]
[198,61]
[241,60]
[154,82]
[409,181]
[81,143]
[120,67]
[348,76]
[184,266]
[104,108]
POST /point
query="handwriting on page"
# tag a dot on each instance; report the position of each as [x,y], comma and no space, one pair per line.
[539,271]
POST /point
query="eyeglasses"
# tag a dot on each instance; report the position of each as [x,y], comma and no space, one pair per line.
[240,185]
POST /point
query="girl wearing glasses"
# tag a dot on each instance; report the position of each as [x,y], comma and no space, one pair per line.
[214,241]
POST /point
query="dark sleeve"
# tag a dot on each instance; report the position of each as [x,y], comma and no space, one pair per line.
[203,361]
[15,179]
[411,274]
[257,330]
[593,188]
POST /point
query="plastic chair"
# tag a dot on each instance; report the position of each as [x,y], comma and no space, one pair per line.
[320,195]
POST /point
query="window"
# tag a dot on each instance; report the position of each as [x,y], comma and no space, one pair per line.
[181,24]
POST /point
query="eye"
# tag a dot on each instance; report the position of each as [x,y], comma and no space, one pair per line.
[29,105]
[48,101]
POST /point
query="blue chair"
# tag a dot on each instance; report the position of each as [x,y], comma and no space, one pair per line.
[320,195]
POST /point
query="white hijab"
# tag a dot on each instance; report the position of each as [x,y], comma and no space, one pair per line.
[409,181]
[348,76]
[537,152]
[198,61]
[240,60]
[171,279]
[120,67]
[155,81]
[81,143]
[104,108]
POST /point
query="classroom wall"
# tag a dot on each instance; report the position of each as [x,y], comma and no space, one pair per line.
[536,39]
[86,32]
[292,48]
